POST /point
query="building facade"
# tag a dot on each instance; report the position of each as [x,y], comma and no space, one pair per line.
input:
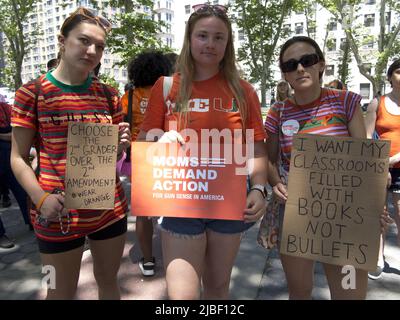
[48,16]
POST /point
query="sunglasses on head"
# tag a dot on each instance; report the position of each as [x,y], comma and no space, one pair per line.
[205,7]
[89,14]
[307,60]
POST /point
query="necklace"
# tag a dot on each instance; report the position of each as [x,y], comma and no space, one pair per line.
[312,118]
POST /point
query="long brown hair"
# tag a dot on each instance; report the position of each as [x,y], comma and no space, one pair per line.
[186,67]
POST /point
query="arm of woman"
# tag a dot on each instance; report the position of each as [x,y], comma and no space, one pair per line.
[21,140]
[356,125]
[255,202]
[274,179]
[370,118]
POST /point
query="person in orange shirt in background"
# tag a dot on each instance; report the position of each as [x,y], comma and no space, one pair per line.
[143,72]
[383,116]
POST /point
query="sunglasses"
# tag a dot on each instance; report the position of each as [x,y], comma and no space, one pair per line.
[205,7]
[90,15]
[307,60]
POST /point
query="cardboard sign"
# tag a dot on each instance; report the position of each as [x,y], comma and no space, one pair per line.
[91,162]
[168,180]
[337,191]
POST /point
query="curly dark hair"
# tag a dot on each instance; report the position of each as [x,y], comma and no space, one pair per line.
[147,67]
[395,65]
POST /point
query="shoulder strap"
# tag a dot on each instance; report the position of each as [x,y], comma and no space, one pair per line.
[108,96]
[130,101]
[38,86]
[167,85]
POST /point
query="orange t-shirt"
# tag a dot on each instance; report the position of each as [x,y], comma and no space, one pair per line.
[388,128]
[212,106]
[140,98]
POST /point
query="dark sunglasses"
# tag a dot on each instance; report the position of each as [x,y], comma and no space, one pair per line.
[205,7]
[307,60]
[89,14]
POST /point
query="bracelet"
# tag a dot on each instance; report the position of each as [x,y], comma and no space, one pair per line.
[41,201]
[263,194]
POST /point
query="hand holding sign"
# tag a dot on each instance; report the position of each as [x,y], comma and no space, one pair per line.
[337,189]
[124,137]
[172,136]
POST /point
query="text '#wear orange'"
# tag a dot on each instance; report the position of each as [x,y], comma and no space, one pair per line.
[211,105]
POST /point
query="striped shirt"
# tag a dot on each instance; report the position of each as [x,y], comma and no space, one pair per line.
[59,104]
[328,115]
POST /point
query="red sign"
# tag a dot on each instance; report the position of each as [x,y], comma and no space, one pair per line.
[193,181]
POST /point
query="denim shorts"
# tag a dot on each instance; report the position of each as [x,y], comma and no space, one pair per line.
[395,185]
[196,227]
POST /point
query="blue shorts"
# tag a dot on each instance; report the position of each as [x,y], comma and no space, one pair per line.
[195,227]
[395,185]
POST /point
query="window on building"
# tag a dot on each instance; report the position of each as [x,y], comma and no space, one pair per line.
[241,35]
[342,43]
[215,2]
[330,70]
[287,28]
[332,26]
[299,27]
[370,1]
[387,18]
[365,89]
[312,27]
[187,9]
[331,44]
[368,43]
[369,20]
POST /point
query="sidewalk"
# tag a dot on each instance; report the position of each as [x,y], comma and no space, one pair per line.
[257,273]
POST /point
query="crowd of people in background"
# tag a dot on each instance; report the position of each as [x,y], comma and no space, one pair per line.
[198,254]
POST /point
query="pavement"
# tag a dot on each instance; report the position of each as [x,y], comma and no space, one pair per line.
[257,273]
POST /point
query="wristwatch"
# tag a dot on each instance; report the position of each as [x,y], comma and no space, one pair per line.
[260,188]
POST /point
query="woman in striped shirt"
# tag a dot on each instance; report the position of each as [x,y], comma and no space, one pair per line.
[43,108]
[314,110]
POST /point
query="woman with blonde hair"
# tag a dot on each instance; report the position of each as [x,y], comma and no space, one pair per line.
[201,252]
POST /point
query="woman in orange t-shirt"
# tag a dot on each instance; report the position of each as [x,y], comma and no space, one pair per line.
[207,94]
[383,116]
